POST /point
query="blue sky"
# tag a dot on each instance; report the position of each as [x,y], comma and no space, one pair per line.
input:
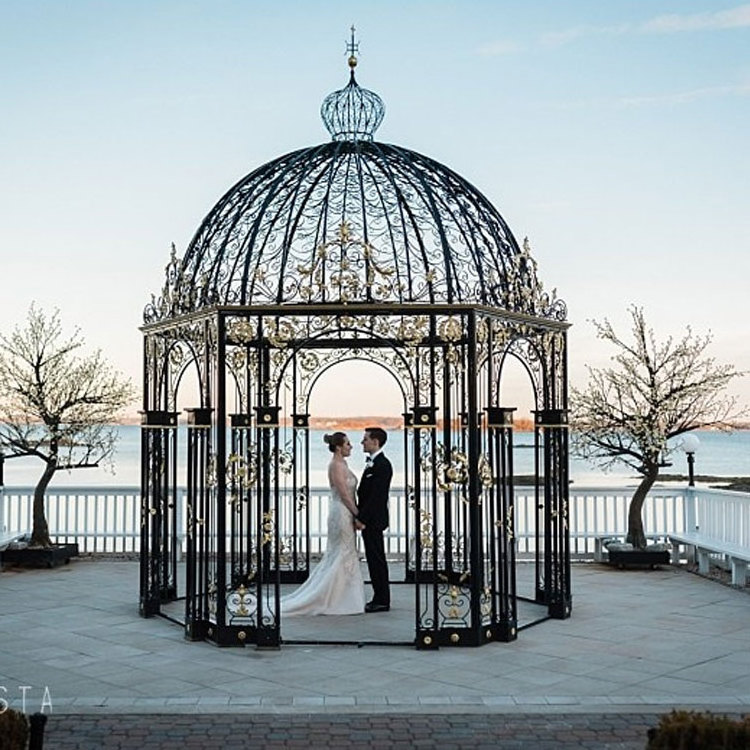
[614,134]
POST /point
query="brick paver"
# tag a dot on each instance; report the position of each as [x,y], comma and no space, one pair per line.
[445,731]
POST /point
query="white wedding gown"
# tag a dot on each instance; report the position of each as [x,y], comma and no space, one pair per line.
[335,586]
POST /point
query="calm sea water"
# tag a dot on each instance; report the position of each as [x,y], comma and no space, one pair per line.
[719,454]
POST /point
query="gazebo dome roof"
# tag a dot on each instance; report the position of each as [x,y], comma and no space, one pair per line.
[353,220]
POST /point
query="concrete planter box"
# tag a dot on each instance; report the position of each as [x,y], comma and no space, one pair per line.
[49,557]
[649,557]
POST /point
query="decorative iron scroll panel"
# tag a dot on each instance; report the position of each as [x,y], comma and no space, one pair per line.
[348,222]
[249,483]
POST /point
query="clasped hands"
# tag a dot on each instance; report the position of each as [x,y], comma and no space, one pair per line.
[358,525]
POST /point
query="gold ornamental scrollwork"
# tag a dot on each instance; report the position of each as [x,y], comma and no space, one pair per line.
[561,514]
[176,356]
[192,519]
[268,528]
[450,466]
[303,495]
[425,530]
[450,331]
[240,475]
[525,292]
[241,331]
[309,361]
[286,545]
[500,333]
[506,524]
[454,602]
[211,471]
[177,295]
[485,472]
[485,605]
[241,602]
[346,265]
[453,612]
[279,333]
[284,459]
[413,331]
[237,359]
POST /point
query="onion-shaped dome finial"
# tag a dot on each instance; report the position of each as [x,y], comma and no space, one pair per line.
[352,113]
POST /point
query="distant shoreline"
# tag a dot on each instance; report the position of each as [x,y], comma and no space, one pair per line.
[521,424]
[352,423]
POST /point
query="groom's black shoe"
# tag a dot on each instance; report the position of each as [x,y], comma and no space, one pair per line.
[375,607]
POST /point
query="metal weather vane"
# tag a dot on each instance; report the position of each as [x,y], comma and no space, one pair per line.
[352,48]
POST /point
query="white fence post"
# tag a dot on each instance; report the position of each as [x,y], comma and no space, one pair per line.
[691,517]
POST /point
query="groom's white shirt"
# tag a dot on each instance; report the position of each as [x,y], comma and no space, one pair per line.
[372,456]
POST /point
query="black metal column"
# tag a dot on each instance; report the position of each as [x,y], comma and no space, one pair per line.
[502,524]
[427,540]
[267,544]
[298,566]
[553,428]
[199,530]
[158,510]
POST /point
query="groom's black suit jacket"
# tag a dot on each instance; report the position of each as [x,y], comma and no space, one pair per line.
[372,493]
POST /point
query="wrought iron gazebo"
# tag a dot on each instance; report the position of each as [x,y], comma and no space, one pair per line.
[353,249]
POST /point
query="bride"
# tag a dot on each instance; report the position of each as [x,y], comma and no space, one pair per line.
[335,586]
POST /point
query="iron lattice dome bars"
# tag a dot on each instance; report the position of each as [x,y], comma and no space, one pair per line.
[353,249]
[350,222]
[354,220]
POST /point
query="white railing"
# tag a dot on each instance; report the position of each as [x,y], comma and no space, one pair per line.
[108,519]
[100,519]
[603,511]
[720,515]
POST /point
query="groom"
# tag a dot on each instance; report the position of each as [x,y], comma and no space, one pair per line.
[372,494]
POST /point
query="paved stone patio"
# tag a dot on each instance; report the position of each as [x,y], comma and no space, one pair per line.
[640,642]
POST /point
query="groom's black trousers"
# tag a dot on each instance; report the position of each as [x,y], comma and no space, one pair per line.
[377,565]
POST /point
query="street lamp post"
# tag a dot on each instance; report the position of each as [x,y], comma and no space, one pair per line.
[690,445]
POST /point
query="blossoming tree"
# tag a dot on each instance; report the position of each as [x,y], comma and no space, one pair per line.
[654,391]
[56,404]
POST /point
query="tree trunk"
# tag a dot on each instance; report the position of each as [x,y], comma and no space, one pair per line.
[40,530]
[636,536]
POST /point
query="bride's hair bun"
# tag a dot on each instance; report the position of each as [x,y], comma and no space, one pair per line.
[334,440]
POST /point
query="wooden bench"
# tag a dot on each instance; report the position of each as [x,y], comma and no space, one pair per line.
[8,538]
[704,546]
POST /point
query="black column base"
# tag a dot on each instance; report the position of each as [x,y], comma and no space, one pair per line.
[560,609]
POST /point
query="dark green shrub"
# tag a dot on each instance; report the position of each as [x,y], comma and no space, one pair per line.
[14,730]
[689,730]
